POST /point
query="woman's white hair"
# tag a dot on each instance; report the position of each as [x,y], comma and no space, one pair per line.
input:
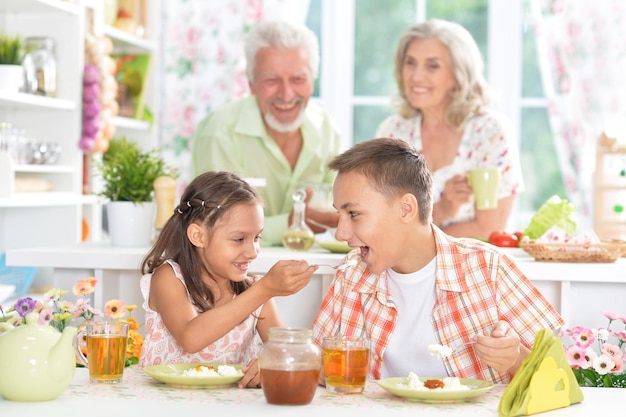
[471,93]
[281,34]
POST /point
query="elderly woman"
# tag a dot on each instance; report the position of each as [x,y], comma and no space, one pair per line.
[442,111]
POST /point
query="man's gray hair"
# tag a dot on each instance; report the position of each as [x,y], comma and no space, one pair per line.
[281,34]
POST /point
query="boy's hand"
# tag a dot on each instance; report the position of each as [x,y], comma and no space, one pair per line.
[502,349]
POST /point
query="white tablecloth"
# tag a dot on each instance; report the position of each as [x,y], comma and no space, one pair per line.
[140,395]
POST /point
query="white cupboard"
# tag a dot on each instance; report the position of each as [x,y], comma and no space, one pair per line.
[53,210]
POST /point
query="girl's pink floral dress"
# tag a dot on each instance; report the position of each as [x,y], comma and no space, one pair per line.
[239,346]
[486,143]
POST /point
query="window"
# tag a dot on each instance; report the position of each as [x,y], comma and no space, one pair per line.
[356,78]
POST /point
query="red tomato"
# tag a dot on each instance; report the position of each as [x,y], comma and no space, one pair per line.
[503,240]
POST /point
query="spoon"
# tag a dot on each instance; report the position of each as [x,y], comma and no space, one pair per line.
[341,267]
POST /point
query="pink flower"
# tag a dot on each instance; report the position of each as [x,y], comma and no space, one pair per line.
[621,336]
[45,316]
[83,309]
[590,355]
[576,356]
[612,350]
[603,364]
[583,336]
[619,366]
[611,316]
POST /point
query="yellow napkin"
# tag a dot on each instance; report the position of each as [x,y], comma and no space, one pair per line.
[543,382]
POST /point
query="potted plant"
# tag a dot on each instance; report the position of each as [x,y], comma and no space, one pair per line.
[128,174]
[11,54]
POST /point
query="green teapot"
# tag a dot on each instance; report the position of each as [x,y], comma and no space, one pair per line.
[37,361]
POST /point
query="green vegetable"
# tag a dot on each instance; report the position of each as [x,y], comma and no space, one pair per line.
[554,212]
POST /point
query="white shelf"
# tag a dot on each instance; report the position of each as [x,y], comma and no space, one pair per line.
[30,101]
[48,199]
[38,6]
[45,169]
[125,42]
[131,124]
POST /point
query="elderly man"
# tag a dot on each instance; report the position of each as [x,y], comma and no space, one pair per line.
[275,133]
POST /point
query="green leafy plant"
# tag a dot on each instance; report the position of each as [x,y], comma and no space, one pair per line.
[128,172]
[11,52]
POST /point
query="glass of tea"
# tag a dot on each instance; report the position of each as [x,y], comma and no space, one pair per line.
[346,363]
[106,350]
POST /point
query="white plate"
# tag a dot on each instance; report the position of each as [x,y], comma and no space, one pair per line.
[173,374]
[477,387]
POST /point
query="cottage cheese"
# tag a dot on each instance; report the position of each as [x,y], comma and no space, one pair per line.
[450,383]
[442,351]
[204,371]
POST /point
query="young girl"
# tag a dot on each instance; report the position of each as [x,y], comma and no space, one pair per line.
[201,306]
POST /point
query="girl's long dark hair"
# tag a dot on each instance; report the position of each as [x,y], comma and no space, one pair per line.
[204,201]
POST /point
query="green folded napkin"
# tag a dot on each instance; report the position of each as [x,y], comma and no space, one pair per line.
[543,382]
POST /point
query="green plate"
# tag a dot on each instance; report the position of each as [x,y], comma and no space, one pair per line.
[173,374]
[477,387]
[334,246]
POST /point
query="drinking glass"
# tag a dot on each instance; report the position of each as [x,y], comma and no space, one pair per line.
[106,350]
[346,363]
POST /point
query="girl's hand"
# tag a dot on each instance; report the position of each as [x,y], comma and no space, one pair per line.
[502,349]
[251,376]
[287,277]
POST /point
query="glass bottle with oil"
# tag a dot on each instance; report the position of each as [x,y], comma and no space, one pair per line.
[299,236]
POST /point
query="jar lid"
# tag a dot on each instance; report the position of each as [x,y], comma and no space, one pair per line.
[290,334]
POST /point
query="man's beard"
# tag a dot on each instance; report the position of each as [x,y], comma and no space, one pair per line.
[278,126]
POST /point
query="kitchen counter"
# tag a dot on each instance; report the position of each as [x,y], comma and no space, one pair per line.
[580,291]
[138,394]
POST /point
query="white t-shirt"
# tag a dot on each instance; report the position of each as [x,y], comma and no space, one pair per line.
[414,296]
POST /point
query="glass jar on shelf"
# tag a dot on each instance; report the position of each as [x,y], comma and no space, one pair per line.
[40,69]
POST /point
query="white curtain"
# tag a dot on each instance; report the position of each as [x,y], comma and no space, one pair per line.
[582,55]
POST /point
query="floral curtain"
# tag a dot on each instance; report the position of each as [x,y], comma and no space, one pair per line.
[202,63]
[582,55]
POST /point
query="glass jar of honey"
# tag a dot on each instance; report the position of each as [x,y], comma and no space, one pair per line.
[289,365]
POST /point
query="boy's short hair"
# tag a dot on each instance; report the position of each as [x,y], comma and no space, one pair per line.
[393,167]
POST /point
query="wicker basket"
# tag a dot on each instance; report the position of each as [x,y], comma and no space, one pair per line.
[606,252]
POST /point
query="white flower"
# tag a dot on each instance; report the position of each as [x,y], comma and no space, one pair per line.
[603,364]
[601,334]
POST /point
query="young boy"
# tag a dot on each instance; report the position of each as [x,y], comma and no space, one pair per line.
[414,286]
